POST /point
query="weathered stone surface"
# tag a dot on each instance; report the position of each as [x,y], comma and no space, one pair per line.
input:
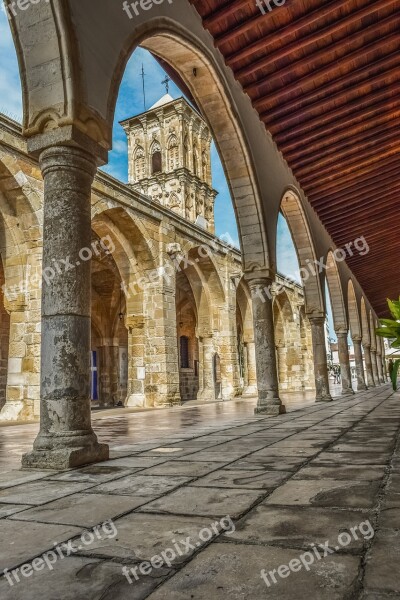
[140,485]
[234,571]
[381,574]
[204,501]
[82,510]
[38,493]
[256,480]
[299,527]
[322,493]
[20,544]
[83,578]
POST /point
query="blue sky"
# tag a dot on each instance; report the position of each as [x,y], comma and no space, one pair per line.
[130,102]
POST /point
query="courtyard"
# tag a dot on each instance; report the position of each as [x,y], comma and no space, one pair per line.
[220,496]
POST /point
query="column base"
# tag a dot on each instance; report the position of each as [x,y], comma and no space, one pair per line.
[271,410]
[206,396]
[348,392]
[327,398]
[65,458]
[136,401]
[362,387]
[250,391]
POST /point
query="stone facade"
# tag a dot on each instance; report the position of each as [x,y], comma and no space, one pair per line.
[171,313]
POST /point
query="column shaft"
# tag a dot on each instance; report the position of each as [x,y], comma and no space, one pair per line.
[66,438]
[320,359]
[375,367]
[269,401]
[208,388]
[344,360]
[368,365]
[358,357]
[251,383]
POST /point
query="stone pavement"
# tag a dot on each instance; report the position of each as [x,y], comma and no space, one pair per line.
[213,500]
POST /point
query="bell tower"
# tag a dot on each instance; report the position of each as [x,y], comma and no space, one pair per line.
[169,157]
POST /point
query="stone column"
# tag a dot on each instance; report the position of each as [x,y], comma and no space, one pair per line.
[136,361]
[269,402]
[250,361]
[208,388]
[379,366]
[344,360]
[368,365]
[320,359]
[108,372]
[375,367]
[358,357]
[66,438]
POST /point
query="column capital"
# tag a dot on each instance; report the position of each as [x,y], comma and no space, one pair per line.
[68,136]
[316,319]
[356,338]
[67,157]
[134,321]
[340,331]
[259,278]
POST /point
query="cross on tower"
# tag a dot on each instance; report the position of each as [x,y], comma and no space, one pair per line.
[166,83]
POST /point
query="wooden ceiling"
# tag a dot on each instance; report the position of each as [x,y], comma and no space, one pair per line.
[324,76]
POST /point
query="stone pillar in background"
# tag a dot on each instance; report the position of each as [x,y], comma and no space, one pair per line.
[320,359]
[66,438]
[358,357]
[344,360]
[374,367]
[108,372]
[379,366]
[384,365]
[136,362]
[368,365]
[19,368]
[251,376]
[207,391]
[162,385]
[269,402]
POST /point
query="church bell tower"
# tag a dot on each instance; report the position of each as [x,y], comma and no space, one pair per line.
[169,155]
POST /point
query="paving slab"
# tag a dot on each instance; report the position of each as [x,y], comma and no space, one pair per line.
[211,502]
[273,463]
[233,571]
[258,480]
[142,536]
[148,486]
[12,478]
[346,472]
[382,574]
[20,543]
[326,492]
[94,474]
[40,493]
[6,510]
[82,510]
[82,579]
[189,469]
[301,527]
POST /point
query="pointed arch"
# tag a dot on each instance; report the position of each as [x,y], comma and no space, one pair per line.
[354,315]
[292,210]
[336,294]
[364,323]
[156,157]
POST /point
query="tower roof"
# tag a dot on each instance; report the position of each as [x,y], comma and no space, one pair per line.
[166,99]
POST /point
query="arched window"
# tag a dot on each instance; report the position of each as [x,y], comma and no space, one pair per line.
[173,153]
[156,159]
[184,351]
[139,164]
